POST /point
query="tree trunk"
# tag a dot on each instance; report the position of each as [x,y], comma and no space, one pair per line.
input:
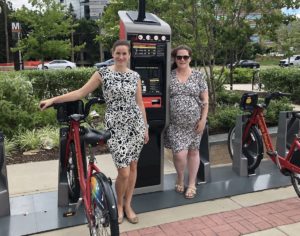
[72,45]
[6,31]
[101,57]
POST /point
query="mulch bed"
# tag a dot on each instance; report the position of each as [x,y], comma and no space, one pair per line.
[44,155]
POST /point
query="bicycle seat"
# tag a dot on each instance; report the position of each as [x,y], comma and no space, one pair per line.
[94,137]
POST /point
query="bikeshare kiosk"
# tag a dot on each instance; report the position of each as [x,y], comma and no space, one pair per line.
[150,57]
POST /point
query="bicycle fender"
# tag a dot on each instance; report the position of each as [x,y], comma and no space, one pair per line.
[109,194]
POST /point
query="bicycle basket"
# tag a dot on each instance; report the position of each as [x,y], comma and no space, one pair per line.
[248,101]
[64,110]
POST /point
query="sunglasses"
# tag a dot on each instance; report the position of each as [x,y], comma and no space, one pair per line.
[182,57]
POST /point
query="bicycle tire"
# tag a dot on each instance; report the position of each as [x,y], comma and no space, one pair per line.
[72,175]
[104,207]
[295,179]
[253,150]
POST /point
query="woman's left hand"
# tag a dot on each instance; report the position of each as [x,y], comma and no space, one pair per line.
[146,136]
[200,126]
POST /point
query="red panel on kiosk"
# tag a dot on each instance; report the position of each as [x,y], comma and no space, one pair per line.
[152,102]
[122,31]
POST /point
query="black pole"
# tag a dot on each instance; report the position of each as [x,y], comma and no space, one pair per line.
[142,11]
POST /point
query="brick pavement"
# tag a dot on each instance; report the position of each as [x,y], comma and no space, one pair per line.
[236,222]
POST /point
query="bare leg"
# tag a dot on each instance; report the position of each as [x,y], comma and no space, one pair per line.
[180,160]
[193,166]
[121,186]
[129,191]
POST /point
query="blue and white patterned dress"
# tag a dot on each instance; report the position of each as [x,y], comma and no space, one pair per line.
[123,116]
[185,112]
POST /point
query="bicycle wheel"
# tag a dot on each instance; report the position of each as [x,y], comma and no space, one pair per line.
[72,175]
[252,147]
[295,179]
[104,207]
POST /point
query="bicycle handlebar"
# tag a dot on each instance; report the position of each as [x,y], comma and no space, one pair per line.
[274,95]
[75,110]
[92,101]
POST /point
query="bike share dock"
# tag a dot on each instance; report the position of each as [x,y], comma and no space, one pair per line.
[39,212]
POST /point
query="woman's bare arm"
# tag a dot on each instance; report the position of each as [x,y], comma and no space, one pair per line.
[93,83]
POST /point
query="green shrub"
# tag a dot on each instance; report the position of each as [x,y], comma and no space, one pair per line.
[284,80]
[49,83]
[28,140]
[268,60]
[240,75]
[228,97]
[223,119]
[19,108]
[17,104]
[274,109]
[11,147]
[225,115]
[46,138]
[49,137]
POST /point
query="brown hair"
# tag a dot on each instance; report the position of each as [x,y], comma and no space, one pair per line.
[121,43]
[174,53]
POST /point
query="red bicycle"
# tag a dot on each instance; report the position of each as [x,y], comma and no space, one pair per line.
[255,133]
[87,183]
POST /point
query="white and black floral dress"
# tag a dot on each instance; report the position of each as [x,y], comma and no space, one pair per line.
[123,116]
[185,112]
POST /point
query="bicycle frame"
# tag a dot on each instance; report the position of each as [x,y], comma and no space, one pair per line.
[283,163]
[85,186]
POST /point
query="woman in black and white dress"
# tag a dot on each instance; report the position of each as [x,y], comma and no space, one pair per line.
[125,116]
[188,114]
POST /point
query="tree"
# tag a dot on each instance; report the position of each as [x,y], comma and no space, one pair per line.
[74,24]
[49,28]
[223,29]
[213,28]
[288,38]
[85,33]
[5,8]
[109,22]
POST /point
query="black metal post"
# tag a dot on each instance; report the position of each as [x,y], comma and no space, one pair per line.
[142,11]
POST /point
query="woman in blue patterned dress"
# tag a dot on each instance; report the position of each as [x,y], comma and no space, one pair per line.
[125,116]
[188,114]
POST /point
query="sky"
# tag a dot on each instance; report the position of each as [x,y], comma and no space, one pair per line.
[292,12]
[18,3]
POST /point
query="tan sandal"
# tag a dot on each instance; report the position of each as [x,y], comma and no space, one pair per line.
[179,188]
[191,192]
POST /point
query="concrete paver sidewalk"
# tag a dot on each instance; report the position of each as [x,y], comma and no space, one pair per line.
[241,221]
[270,212]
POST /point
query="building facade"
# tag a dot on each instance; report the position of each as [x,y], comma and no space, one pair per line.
[89,9]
